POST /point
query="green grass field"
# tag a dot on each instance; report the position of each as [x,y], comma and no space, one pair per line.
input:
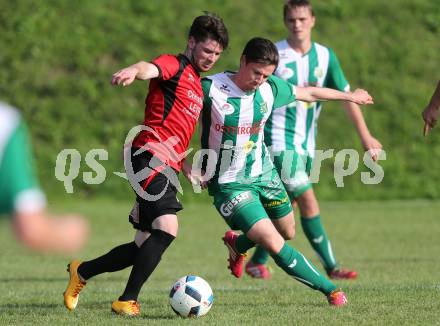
[394,246]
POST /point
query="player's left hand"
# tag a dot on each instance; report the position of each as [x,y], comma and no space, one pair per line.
[361,97]
[372,146]
[430,116]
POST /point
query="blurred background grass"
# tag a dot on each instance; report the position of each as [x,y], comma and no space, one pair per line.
[57,58]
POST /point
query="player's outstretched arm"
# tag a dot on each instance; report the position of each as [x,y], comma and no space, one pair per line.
[39,232]
[141,70]
[431,113]
[313,94]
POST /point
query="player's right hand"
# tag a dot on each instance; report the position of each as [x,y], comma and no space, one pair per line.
[430,116]
[194,178]
[125,76]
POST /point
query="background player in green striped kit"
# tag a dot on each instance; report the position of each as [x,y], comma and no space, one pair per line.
[23,200]
[290,132]
[246,188]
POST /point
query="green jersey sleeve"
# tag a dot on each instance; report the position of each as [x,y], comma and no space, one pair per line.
[335,76]
[283,91]
[206,85]
[19,189]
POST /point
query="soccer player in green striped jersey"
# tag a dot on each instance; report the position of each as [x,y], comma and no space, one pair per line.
[21,197]
[245,187]
[291,131]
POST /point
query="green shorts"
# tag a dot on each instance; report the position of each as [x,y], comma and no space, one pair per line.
[242,205]
[294,170]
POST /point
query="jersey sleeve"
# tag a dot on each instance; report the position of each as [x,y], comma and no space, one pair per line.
[206,86]
[335,76]
[283,91]
[205,116]
[168,66]
[20,190]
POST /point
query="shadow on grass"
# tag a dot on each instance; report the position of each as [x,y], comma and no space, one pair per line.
[31,279]
[389,260]
[101,306]
[45,305]
[146,316]
[22,306]
[231,305]
[55,279]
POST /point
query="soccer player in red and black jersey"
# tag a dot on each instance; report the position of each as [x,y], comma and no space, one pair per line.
[172,108]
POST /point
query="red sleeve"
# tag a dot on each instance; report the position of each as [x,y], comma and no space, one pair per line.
[168,66]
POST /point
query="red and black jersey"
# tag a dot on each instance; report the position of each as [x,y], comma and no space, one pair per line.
[172,108]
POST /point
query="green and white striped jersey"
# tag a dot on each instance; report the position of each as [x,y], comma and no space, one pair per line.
[19,189]
[233,126]
[295,128]
[9,120]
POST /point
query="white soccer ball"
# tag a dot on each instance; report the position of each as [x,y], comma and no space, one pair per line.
[191,296]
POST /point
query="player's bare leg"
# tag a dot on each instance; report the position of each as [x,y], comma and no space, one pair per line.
[257,266]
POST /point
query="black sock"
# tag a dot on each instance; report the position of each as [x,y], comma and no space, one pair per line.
[146,261]
[115,260]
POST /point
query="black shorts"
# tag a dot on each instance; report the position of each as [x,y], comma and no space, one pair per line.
[155,194]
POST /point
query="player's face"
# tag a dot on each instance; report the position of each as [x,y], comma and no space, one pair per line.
[205,54]
[251,75]
[299,22]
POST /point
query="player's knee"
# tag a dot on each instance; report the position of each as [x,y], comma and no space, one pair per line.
[289,233]
[287,227]
[162,238]
[308,203]
[272,244]
[140,237]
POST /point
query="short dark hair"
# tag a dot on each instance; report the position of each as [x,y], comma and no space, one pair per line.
[290,4]
[209,26]
[261,50]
